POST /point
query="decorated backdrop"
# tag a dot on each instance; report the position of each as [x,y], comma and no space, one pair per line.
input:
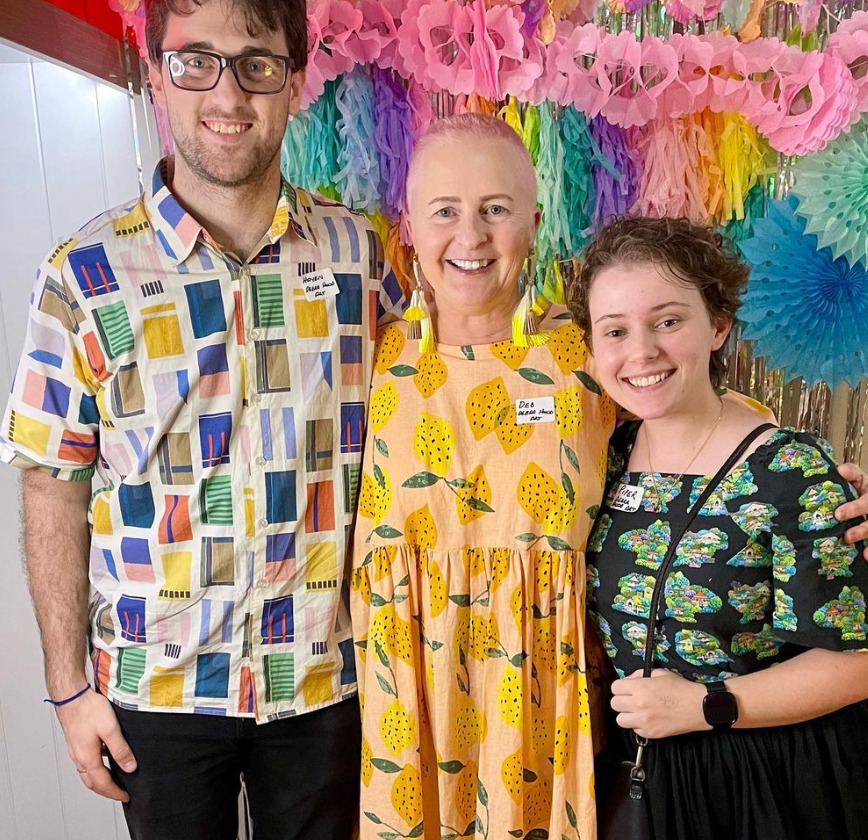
[743,113]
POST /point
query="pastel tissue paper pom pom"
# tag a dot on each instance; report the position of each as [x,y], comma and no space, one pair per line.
[850,43]
[632,75]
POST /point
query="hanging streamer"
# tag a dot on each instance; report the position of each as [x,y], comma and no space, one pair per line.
[358,178]
[616,175]
[322,145]
[580,154]
[394,138]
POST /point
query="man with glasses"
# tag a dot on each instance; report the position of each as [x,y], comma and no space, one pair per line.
[189,412]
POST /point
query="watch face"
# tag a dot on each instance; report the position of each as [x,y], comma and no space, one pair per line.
[720,708]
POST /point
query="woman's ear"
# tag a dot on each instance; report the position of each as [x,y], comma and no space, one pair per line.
[722,327]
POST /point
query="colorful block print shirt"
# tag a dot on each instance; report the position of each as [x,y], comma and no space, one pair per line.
[762,573]
[219,407]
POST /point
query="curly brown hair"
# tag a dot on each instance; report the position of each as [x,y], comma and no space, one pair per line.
[270,16]
[698,255]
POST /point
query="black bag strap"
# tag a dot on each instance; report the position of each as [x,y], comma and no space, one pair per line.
[678,533]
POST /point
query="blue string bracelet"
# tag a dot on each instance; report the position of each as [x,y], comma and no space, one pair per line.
[75,696]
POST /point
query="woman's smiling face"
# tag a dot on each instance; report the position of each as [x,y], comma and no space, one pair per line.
[652,339]
[472,216]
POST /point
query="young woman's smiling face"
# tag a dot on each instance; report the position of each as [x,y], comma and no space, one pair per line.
[652,338]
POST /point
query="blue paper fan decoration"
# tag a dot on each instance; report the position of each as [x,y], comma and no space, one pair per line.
[806,310]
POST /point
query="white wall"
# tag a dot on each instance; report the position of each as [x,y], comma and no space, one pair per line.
[67,152]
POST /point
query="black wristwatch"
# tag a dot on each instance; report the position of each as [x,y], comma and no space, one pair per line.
[719,706]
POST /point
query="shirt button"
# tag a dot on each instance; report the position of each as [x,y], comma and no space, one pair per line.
[256,398]
[261,462]
[253,335]
[263,523]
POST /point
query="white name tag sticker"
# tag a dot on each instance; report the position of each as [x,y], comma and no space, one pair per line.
[628,498]
[538,410]
[319,284]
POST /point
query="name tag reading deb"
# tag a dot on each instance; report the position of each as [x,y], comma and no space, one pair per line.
[538,410]
[319,284]
[628,498]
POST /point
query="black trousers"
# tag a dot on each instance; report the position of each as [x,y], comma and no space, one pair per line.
[301,773]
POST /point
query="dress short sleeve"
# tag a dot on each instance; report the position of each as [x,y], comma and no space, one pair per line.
[819,582]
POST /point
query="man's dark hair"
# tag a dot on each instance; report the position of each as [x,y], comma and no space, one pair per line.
[287,16]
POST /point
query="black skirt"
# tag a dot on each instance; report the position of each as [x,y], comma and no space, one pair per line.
[808,781]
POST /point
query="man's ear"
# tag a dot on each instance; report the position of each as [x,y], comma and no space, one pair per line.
[155,77]
[295,85]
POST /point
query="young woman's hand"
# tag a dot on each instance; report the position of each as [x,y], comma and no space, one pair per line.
[664,704]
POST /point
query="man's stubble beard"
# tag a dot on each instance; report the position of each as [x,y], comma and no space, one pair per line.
[205,163]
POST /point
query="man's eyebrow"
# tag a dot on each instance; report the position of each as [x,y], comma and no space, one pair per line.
[207,46]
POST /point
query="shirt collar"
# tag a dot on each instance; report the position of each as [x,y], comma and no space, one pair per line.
[178,232]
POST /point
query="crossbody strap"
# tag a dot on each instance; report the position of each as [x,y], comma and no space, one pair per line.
[678,533]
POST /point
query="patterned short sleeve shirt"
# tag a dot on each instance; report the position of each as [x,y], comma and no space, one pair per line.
[219,407]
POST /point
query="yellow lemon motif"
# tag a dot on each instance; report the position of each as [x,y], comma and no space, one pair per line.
[537,493]
[390,343]
[431,374]
[384,403]
[434,443]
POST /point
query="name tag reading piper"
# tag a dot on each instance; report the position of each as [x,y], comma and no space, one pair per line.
[539,410]
[628,498]
[319,284]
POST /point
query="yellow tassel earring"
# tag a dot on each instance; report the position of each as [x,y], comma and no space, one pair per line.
[417,315]
[526,318]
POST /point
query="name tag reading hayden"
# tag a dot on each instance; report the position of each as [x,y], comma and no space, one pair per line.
[319,284]
[539,410]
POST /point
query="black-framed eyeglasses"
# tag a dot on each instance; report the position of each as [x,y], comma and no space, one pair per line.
[201,70]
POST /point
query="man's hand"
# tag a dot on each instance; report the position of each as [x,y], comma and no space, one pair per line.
[857,508]
[87,724]
[665,704]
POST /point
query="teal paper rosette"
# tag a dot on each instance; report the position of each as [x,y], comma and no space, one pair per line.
[832,188]
[805,310]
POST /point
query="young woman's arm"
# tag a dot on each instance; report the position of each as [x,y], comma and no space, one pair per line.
[807,686]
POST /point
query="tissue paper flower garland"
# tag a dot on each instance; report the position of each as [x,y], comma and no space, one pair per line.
[832,188]
[805,310]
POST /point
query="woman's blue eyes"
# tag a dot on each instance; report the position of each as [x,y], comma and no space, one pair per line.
[492,210]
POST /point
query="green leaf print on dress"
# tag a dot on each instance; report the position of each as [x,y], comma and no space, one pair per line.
[738,483]
[751,601]
[685,599]
[763,644]
[819,502]
[699,648]
[698,548]
[846,613]
[835,557]
[799,456]
[634,597]
[648,544]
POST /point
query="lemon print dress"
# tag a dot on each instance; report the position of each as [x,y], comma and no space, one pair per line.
[468,588]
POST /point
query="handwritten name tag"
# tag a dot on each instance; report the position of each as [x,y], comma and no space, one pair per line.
[319,284]
[628,498]
[539,410]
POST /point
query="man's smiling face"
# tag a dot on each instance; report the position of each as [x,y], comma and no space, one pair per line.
[224,137]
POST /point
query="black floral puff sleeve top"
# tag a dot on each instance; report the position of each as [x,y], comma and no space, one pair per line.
[762,573]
